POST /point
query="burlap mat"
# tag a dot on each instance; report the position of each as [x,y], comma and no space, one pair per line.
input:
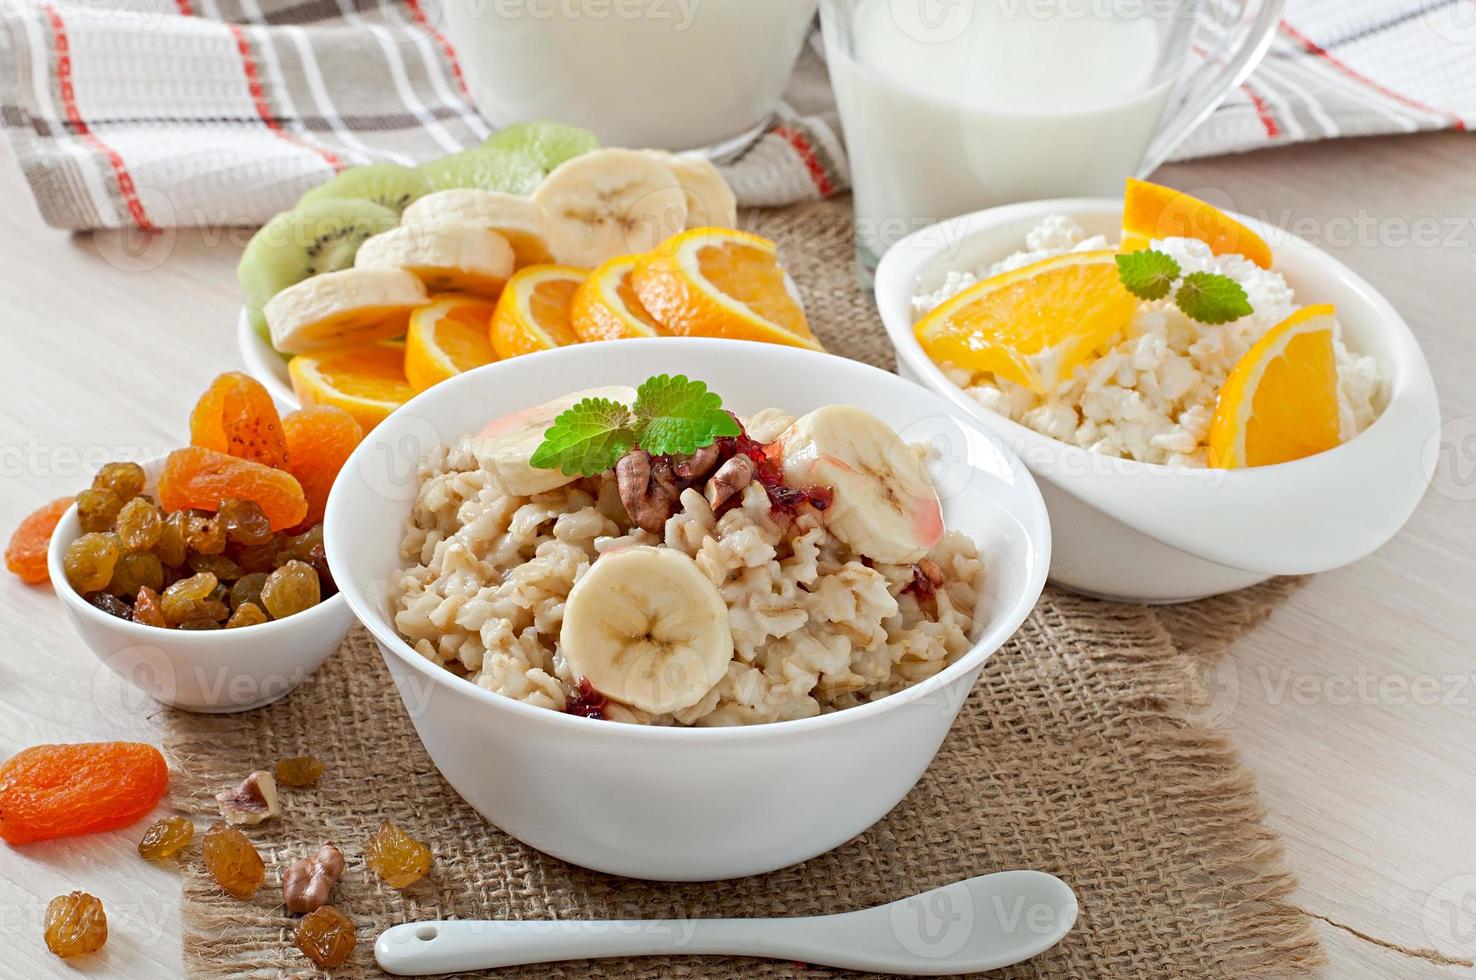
[1077,753]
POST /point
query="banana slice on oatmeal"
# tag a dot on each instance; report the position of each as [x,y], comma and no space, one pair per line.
[505,446]
[645,627]
[885,506]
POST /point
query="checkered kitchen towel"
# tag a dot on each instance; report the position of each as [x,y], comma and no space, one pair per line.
[154,113]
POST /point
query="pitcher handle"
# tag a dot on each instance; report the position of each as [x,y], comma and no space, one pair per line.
[1229,62]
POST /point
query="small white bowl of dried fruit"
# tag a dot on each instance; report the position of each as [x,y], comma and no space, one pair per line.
[1202,411]
[201,577]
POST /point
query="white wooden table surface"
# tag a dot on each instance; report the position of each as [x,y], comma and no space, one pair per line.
[1355,703]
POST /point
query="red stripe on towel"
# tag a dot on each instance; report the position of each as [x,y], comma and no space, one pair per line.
[126,187]
[807,156]
[258,97]
[418,13]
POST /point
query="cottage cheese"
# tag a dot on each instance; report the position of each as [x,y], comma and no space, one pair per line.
[1151,396]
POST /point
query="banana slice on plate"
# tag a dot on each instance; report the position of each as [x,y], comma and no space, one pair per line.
[506,444]
[448,258]
[516,219]
[608,203]
[350,306]
[645,627]
[885,506]
[710,201]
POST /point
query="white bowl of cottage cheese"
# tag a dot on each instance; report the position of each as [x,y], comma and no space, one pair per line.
[1119,448]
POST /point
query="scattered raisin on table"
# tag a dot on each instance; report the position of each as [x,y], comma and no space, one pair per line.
[300,771]
[166,838]
[326,936]
[395,856]
[232,861]
[75,925]
[291,589]
[124,480]
[89,561]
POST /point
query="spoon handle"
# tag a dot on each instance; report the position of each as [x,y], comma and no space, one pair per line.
[449,946]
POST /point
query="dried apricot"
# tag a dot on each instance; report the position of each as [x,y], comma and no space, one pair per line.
[25,555]
[300,771]
[75,925]
[232,861]
[202,478]
[319,441]
[51,791]
[395,856]
[237,416]
[326,936]
[166,838]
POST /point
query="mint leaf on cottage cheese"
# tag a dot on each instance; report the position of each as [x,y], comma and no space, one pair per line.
[1147,273]
[1212,298]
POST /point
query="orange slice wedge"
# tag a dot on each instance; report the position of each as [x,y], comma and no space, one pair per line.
[534,311]
[367,381]
[1152,211]
[720,282]
[1032,325]
[449,336]
[1280,401]
[606,306]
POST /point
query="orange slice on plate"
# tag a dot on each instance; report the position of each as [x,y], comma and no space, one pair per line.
[449,336]
[606,306]
[1032,325]
[1280,401]
[367,381]
[720,282]
[534,311]
[1152,211]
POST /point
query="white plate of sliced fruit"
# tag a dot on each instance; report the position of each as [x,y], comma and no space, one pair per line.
[387,280]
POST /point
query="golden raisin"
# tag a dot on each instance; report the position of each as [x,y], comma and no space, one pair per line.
[139,524]
[166,838]
[291,589]
[138,570]
[97,509]
[172,545]
[89,562]
[123,480]
[245,521]
[395,856]
[326,936]
[75,925]
[190,599]
[247,614]
[300,771]
[232,861]
[204,533]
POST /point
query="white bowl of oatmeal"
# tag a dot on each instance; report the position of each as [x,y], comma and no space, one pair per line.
[553,637]
[1119,450]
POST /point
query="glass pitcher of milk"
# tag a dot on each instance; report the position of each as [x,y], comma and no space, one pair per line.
[950,106]
[672,74]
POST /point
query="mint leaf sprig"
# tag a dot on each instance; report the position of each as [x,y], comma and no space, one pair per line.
[1208,297]
[672,415]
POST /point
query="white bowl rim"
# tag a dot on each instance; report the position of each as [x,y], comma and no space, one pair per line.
[893,271]
[271,629]
[996,634]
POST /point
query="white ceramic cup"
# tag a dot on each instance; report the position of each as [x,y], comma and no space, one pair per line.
[684,804]
[674,74]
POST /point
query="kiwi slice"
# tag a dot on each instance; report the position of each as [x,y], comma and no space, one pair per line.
[388,184]
[548,143]
[319,236]
[490,170]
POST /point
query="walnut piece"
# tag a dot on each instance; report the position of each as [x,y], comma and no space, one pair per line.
[252,802]
[730,479]
[647,489]
[696,466]
[307,884]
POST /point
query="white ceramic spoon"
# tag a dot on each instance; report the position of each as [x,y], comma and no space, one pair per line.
[980,924]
